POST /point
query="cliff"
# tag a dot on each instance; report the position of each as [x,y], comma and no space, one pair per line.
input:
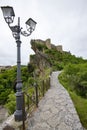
[41,59]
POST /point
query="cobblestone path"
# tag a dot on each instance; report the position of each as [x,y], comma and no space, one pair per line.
[56,110]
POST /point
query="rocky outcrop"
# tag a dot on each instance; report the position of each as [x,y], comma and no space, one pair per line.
[41,59]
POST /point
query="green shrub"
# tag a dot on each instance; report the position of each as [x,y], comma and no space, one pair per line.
[11,103]
[76,75]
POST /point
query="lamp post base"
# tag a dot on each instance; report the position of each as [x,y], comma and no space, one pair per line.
[18,115]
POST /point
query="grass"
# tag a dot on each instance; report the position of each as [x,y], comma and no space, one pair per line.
[81,107]
[79,102]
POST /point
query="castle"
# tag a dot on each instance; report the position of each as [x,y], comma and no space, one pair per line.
[48,44]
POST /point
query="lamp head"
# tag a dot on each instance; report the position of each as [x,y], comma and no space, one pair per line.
[8,14]
[31,23]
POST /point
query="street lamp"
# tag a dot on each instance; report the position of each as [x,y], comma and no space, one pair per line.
[9,15]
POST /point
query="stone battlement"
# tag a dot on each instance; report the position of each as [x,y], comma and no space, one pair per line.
[48,44]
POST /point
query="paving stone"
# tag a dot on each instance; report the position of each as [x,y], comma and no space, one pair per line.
[63,126]
[41,126]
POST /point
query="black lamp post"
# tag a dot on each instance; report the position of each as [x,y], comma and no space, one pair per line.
[9,15]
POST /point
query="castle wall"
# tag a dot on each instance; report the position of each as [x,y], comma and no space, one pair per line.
[59,48]
[48,44]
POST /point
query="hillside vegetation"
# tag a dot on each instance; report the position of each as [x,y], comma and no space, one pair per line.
[45,60]
[57,60]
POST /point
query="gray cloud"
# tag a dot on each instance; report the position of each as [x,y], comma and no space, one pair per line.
[64,21]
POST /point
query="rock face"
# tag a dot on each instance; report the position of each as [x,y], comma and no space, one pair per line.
[41,59]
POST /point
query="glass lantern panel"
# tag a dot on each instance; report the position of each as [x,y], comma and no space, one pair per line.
[31,23]
[7,11]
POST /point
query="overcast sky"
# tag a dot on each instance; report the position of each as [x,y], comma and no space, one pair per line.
[63,21]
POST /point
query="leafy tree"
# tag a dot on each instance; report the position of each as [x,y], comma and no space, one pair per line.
[7,81]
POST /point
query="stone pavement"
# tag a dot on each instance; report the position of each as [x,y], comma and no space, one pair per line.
[56,110]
